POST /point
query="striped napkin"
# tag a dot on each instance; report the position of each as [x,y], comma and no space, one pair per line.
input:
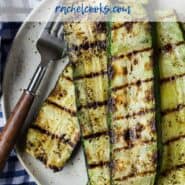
[14,173]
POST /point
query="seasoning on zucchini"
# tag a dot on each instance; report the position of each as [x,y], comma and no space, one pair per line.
[134,141]
[172,78]
[87,51]
[55,132]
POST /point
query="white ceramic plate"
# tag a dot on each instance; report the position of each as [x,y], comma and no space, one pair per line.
[22,62]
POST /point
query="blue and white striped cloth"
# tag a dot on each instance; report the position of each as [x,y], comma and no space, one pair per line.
[13,173]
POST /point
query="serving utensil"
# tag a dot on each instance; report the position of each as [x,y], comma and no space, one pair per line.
[51,47]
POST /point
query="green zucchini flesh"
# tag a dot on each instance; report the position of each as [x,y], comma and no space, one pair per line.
[134,143]
[55,132]
[172,88]
[87,51]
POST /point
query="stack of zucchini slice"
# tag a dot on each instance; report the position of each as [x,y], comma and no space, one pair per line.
[172,77]
[55,133]
[87,52]
[134,144]
[111,74]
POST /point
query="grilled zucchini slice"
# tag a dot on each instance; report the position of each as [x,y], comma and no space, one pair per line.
[172,76]
[87,51]
[133,128]
[55,132]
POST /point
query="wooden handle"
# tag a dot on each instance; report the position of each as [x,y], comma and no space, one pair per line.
[13,126]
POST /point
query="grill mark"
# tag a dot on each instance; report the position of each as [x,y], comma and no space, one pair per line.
[100,164]
[172,78]
[175,168]
[114,58]
[132,175]
[44,160]
[131,145]
[92,136]
[67,78]
[129,26]
[88,45]
[125,24]
[71,112]
[61,138]
[178,108]
[141,112]
[93,105]
[169,47]
[138,82]
[133,133]
[122,25]
[174,140]
[91,75]
[101,27]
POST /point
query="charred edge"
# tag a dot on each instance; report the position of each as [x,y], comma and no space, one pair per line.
[101,164]
[87,45]
[61,138]
[129,24]
[91,75]
[141,112]
[172,78]
[129,55]
[42,159]
[169,47]
[135,175]
[137,83]
[92,136]
[93,105]
[131,145]
[175,168]
[55,168]
[174,140]
[178,108]
[72,113]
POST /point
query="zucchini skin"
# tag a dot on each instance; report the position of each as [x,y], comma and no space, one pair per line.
[183,26]
[89,59]
[133,126]
[54,134]
[172,71]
